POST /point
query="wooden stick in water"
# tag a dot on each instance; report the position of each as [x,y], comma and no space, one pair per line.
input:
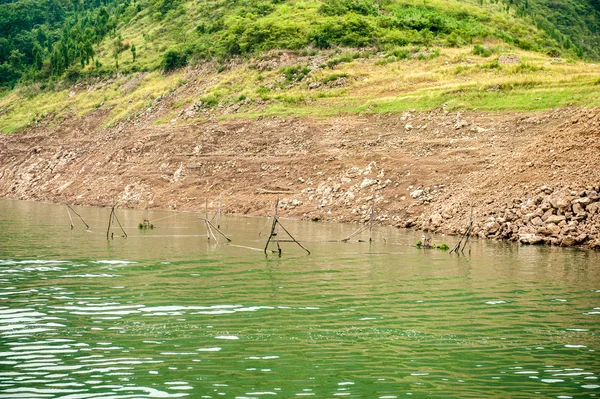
[117,219]
[466,235]
[271,234]
[261,230]
[276,232]
[219,231]
[371,223]
[207,229]
[69,209]
[360,230]
[110,221]
[70,218]
[80,217]
[292,237]
[209,224]
[219,211]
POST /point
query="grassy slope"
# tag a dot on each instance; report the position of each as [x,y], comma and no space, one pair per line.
[378,83]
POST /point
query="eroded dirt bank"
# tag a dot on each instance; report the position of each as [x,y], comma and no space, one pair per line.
[529,177]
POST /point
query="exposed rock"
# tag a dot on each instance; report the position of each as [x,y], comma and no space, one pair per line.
[416,194]
[367,183]
[448,213]
[491,227]
[561,203]
[550,229]
[585,201]
[436,219]
[578,209]
[593,208]
[509,59]
[568,241]
[555,219]
[530,239]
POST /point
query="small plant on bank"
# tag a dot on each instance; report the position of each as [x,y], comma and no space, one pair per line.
[427,245]
[482,51]
[145,225]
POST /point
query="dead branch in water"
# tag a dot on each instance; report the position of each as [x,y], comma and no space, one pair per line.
[366,226]
[357,232]
[466,236]
[275,234]
[69,209]
[70,218]
[111,221]
[210,227]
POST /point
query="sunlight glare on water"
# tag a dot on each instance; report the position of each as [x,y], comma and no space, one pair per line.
[164,313]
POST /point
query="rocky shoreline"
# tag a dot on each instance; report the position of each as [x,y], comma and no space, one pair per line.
[560,217]
[531,178]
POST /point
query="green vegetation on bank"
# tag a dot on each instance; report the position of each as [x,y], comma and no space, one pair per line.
[52,39]
[275,57]
[286,83]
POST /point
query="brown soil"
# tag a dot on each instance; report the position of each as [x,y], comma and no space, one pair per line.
[425,170]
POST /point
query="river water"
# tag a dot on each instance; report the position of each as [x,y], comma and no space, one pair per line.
[164,313]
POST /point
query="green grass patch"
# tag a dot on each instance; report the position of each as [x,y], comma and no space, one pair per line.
[525,67]
[491,65]
[483,51]
[332,77]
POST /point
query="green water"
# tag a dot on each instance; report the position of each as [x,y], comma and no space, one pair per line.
[164,313]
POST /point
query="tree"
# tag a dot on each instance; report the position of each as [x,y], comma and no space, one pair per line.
[133,51]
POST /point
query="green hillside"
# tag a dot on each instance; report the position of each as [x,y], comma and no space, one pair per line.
[244,59]
[55,39]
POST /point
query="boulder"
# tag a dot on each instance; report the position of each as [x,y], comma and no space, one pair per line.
[568,241]
[436,219]
[555,219]
[593,208]
[530,239]
[537,221]
[547,214]
[448,213]
[580,239]
[368,183]
[582,201]
[491,227]
[560,203]
[593,195]
[578,209]
[416,194]
[549,230]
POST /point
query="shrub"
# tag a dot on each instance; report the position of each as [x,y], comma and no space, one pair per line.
[400,54]
[482,51]
[173,59]
[342,7]
[352,31]
[210,100]
[334,76]
[346,57]
[73,73]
